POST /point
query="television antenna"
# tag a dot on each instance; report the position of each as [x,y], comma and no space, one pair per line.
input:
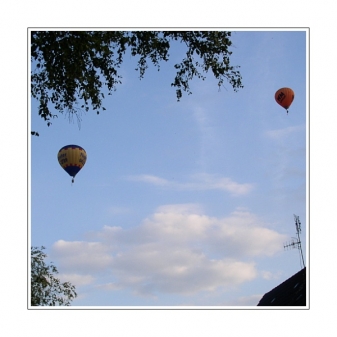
[296,242]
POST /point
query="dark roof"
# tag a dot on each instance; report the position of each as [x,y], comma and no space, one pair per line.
[291,292]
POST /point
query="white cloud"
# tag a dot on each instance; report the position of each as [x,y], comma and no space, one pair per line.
[109,286]
[200,181]
[77,279]
[177,250]
[81,256]
[155,268]
[267,275]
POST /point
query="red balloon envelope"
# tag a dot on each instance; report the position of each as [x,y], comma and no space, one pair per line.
[284,97]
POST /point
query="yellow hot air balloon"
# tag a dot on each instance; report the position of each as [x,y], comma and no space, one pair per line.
[285,97]
[72,158]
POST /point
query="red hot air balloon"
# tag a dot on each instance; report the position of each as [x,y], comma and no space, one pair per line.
[284,97]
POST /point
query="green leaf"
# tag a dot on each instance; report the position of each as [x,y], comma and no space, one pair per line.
[46,289]
[71,66]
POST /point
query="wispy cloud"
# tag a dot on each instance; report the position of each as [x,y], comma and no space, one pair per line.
[280,134]
[118,210]
[201,181]
[151,179]
[207,135]
[176,250]
[288,167]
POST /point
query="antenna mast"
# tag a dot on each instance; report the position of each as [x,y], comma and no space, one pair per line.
[296,242]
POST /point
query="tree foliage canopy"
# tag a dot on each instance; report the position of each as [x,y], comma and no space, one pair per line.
[71,67]
[46,289]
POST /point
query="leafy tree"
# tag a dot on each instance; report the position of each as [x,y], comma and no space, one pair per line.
[71,67]
[46,289]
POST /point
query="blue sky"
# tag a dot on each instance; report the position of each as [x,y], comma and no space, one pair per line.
[180,203]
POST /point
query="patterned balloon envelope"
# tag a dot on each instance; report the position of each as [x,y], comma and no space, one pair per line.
[72,158]
[284,97]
